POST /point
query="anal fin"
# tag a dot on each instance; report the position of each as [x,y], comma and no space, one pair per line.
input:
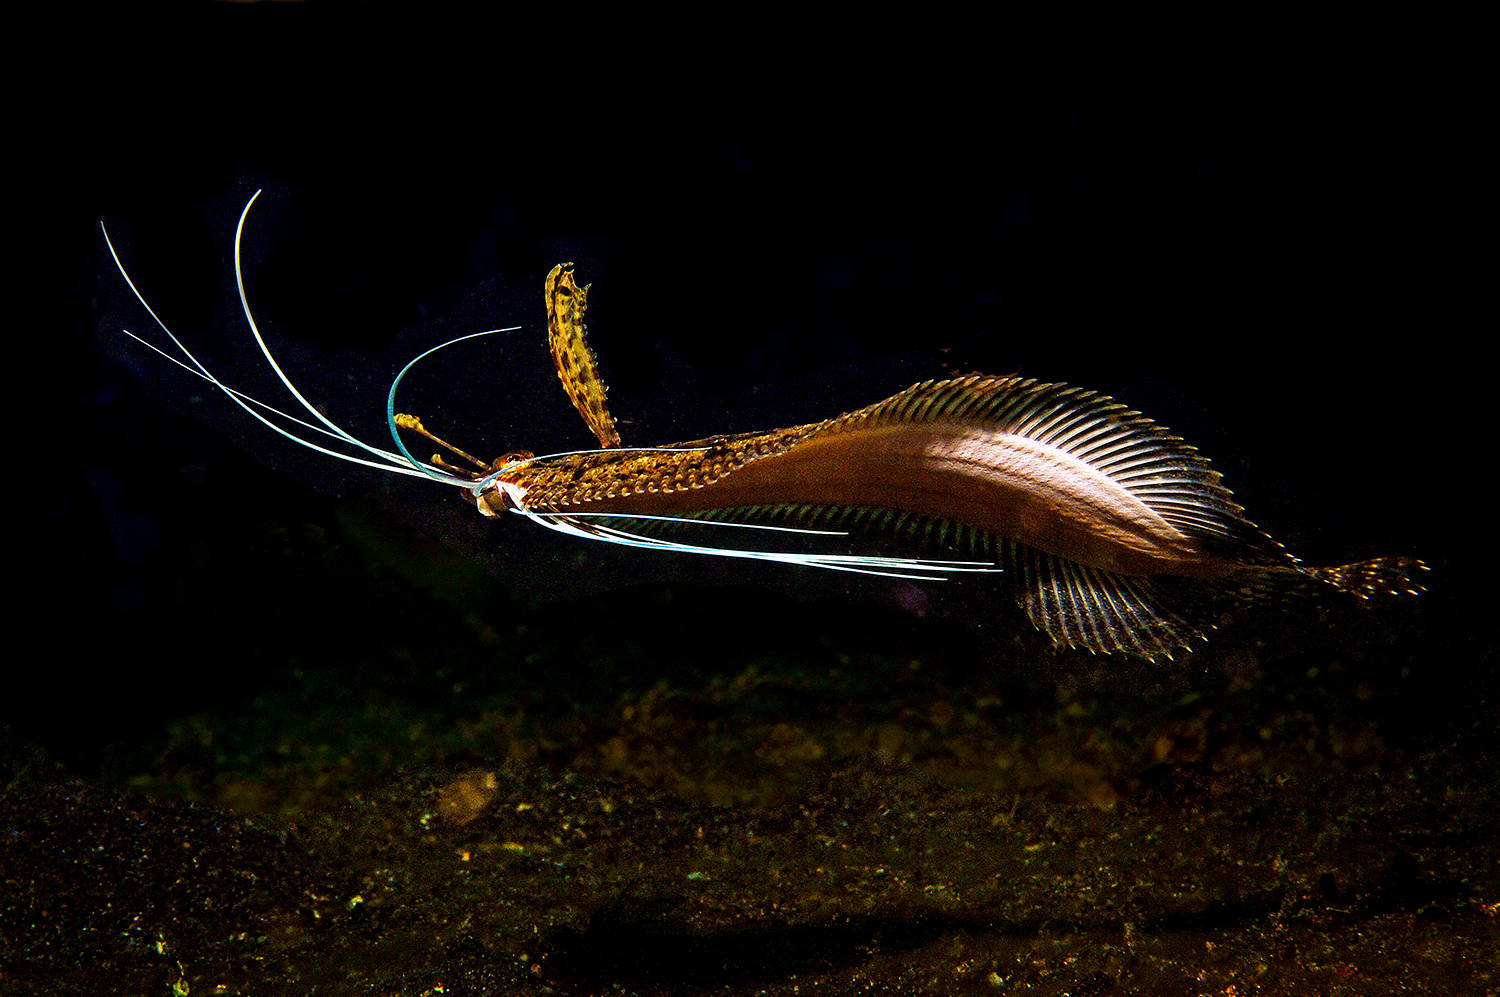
[1099,611]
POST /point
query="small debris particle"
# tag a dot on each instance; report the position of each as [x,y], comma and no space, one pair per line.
[465,797]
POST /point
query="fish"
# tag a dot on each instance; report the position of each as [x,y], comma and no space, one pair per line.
[1118,536]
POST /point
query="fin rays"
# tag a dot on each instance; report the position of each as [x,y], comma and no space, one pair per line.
[910,568]
[1076,605]
[1096,610]
[261,411]
[1159,468]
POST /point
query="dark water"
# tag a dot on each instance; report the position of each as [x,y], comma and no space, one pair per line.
[211,612]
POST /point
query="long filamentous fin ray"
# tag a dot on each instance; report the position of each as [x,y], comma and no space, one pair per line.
[387,461]
[1076,605]
[239,281]
[871,564]
[820,520]
[909,568]
[391,459]
[1144,611]
[703,521]
[390,410]
[391,462]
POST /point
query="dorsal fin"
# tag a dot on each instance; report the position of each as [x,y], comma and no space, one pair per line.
[576,368]
[1165,473]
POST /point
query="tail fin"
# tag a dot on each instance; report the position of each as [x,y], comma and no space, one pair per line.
[1379,576]
[1276,583]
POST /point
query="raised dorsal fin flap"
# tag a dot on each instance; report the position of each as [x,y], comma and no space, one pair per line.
[576,367]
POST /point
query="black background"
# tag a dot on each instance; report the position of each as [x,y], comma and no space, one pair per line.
[1274,267]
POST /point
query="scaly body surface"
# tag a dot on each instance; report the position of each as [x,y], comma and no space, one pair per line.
[1118,535]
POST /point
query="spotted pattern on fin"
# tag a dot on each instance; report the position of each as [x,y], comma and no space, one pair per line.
[576,367]
[1380,576]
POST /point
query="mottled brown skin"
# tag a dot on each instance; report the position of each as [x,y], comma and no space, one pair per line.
[952,470]
[576,368]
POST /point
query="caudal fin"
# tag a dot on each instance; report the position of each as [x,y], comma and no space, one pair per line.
[1378,576]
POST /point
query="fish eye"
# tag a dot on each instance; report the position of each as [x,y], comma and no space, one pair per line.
[513,457]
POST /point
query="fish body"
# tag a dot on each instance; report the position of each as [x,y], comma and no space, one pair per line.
[1118,536]
[1120,533]
[960,450]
